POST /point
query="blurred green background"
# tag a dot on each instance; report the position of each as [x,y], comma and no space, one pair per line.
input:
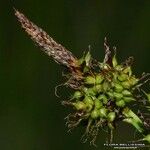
[31,116]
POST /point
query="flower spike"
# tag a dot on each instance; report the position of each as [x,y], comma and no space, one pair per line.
[59,53]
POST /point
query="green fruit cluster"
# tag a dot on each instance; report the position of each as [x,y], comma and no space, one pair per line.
[104,92]
[105,96]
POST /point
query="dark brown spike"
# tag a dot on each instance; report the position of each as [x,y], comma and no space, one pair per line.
[59,53]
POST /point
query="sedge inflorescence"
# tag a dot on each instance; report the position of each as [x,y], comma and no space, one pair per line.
[104,98]
[104,92]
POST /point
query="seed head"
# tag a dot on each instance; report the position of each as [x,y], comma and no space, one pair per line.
[104,93]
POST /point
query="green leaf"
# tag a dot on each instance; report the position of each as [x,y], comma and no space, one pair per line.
[87,58]
[114,61]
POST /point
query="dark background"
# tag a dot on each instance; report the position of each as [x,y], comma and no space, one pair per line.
[31,116]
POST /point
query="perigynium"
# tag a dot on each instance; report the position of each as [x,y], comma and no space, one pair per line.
[105,93]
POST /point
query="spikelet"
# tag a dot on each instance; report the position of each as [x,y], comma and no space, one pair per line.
[59,53]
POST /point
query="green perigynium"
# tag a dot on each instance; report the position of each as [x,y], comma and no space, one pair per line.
[104,92]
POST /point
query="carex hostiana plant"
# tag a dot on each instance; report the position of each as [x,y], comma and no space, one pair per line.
[104,93]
